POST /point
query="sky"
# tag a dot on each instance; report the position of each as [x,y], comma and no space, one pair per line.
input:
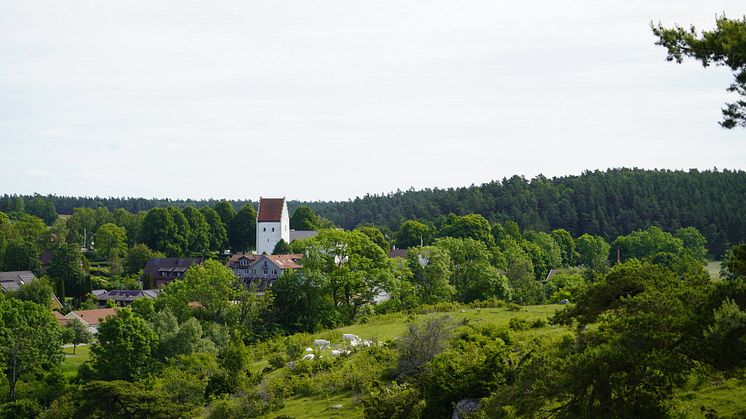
[332,99]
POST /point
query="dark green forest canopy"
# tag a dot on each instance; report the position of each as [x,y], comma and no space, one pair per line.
[607,203]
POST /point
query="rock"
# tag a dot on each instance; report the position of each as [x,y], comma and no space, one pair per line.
[466,407]
[564,301]
[337,406]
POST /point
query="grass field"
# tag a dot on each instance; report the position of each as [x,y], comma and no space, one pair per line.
[71,362]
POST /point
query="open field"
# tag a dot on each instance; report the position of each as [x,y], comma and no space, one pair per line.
[71,362]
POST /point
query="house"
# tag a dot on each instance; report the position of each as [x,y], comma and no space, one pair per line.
[272,224]
[398,253]
[262,270]
[91,318]
[61,319]
[123,298]
[161,271]
[12,280]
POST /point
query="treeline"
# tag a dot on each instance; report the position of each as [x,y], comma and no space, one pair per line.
[605,203]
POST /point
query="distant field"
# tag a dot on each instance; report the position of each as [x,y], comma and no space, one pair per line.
[713,268]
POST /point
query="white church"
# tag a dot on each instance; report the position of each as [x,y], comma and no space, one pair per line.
[272,224]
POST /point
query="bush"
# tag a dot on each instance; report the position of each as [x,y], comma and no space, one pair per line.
[394,402]
[23,408]
[277,360]
[538,323]
[519,324]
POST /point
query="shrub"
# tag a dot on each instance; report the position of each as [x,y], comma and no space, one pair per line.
[394,402]
[518,324]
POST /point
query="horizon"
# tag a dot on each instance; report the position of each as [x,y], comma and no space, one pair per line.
[330,101]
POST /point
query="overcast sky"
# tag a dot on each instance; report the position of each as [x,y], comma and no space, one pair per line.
[328,100]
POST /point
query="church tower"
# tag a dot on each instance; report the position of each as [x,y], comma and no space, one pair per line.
[272,224]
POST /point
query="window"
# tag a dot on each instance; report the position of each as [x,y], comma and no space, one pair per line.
[265,271]
[273,229]
[264,229]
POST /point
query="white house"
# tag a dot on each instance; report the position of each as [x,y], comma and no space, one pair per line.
[272,224]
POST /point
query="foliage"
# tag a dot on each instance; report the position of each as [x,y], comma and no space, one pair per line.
[473,277]
[30,340]
[593,251]
[138,256]
[723,46]
[21,256]
[67,270]
[473,226]
[302,302]
[393,402]
[304,218]
[124,349]
[198,239]
[39,291]
[217,230]
[431,269]
[122,399]
[242,229]
[281,248]
[161,232]
[413,233]
[206,292]
[734,263]
[110,239]
[76,333]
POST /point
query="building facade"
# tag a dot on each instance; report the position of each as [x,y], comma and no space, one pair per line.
[261,271]
[272,224]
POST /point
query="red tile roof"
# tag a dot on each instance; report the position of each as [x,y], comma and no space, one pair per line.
[270,209]
[94,317]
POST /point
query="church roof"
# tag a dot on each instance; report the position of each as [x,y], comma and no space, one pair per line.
[270,209]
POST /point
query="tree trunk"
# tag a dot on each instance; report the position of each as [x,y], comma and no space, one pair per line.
[13,378]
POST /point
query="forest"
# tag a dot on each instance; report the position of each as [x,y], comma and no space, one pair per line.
[606,203]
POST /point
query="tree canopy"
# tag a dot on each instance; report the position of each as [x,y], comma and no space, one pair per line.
[723,46]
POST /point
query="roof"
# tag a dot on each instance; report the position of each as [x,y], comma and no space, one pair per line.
[270,209]
[12,280]
[92,317]
[286,261]
[172,264]
[302,234]
[127,295]
[61,319]
[398,253]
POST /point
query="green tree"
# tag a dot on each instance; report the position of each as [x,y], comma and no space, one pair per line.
[567,246]
[30,340]
[734,264]
[413,233]
[695,243]
[206,291]
[122,399]
[130,222]
[217,230]
[473,277]
[431,270]
[39,291]
[68,272]
[138,256]
[593,251]
[82,225]
[355,267]
[302,301]
[198,241]
[29,228]
[226,211]
[160,232]
[281,248]
[242,229]
[77,333]
[304,218]
[724,46]
[642,243]
[472,226]
[110,241]
[376,235]
[21,256]
[42,208]
[125,347]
